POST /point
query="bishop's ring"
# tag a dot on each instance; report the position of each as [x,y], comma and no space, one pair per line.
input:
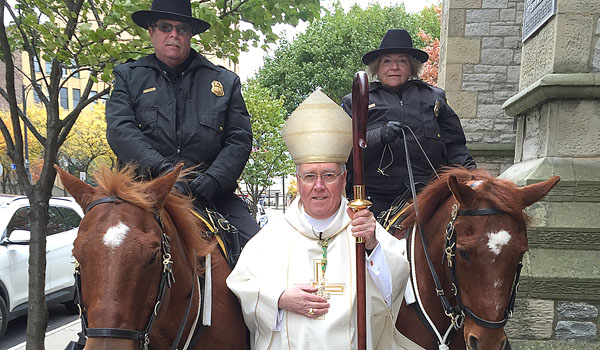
[310,311]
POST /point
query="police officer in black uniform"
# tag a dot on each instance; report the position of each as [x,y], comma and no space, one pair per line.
[175,106]
[398,100]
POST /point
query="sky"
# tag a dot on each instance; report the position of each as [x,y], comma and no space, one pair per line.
[252,60]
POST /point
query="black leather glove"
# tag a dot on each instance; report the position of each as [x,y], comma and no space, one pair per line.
[183,186]
[161,168]
[204,187]
[391,131]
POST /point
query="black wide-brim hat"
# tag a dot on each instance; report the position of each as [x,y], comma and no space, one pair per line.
[396,41]
[174,10]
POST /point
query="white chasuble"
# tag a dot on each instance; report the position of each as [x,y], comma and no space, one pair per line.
[288,252]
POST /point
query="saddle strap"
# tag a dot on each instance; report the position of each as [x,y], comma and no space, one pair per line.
[213,230]
[395,218]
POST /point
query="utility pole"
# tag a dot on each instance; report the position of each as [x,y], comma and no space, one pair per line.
[283,198]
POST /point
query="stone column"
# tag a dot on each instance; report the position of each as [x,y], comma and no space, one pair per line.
[557,113]
[480,55]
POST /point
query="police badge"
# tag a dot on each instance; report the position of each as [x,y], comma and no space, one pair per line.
[217,88]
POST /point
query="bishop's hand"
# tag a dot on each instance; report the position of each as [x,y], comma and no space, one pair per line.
[301,300]
[363,225]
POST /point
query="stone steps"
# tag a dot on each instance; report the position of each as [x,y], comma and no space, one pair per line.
[560,274]
[565,225]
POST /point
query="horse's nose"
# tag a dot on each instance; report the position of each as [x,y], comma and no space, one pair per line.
[473,342]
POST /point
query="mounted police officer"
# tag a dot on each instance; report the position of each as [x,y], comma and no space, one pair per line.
[175,106]
[399,100]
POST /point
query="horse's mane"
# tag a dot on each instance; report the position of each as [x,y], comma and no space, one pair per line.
[126,185]
[502,194]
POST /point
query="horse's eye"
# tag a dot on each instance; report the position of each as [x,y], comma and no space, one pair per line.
[154,258]
[464,254]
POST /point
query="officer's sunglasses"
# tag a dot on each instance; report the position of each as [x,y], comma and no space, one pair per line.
[182,29]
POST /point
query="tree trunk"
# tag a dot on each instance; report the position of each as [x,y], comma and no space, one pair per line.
[37,312]
[39,197]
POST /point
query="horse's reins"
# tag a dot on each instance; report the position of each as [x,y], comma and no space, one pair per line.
[458,312]
[167,279]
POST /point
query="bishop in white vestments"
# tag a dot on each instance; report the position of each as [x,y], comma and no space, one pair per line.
[296,279]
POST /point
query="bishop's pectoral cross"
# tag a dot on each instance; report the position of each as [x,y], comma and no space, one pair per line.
[326,289]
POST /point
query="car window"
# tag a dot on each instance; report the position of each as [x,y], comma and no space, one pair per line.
[19,221]
[61,219]
[70,215]
[57,222]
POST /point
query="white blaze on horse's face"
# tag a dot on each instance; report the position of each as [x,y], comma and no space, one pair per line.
[497,241]
[115,235]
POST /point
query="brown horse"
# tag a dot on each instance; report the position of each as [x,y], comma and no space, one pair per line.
[140,252]
[473,229]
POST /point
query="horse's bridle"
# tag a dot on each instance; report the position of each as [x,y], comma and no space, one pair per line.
[167,279]
[459,312]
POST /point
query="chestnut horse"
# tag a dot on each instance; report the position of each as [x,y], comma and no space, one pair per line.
[139,253]
[469,242]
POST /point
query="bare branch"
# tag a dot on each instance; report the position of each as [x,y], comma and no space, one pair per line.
[235,9]
[96,15]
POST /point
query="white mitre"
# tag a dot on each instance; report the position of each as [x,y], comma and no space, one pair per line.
[318,131]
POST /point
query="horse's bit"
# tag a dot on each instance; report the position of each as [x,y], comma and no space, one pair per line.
[167,279]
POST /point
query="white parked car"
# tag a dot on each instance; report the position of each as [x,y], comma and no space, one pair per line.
[261,216]
[65,215]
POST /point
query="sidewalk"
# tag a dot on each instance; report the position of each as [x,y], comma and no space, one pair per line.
[57,339]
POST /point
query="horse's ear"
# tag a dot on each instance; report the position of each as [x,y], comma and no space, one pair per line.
[82,192]
[537,191]
[465,195]
[160,188]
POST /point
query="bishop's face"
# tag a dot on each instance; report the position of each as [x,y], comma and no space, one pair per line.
[321,186]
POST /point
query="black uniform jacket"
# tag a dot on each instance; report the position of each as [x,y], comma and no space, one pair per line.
[438,130]
[212,128]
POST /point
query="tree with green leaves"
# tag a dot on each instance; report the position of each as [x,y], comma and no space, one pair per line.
[90,37]
[269,158]
[328,54]
[86,148]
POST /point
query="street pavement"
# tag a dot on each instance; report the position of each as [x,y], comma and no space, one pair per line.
[57,339]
